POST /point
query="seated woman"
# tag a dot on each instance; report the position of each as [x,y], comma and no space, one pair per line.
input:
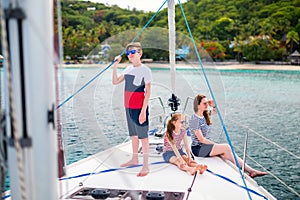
[173,152]
[202,146]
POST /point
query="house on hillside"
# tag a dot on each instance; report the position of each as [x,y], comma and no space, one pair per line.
[294,58]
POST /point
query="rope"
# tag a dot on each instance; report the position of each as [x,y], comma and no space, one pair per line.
[101,72]
[11,106]
[213,97]
[3,163]
[2,145]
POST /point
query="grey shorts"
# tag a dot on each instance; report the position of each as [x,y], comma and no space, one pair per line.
[134,127]
[169,154]
[202,150]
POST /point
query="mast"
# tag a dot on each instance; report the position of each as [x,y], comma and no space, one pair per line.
[32,148]
[173,101]
[172,41]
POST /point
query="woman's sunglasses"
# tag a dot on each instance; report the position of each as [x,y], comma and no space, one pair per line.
[133,51]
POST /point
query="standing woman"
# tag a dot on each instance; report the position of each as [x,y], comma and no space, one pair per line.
[173,152]
[202,146]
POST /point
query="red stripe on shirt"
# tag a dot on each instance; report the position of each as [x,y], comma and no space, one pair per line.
[133,100]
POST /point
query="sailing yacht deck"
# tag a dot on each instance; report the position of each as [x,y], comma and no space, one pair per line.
[163,178]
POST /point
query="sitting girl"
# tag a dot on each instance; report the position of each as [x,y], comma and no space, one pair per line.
[173,152]
[202,146]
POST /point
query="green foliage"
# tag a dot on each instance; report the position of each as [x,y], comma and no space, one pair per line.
[216,23]
[215,49]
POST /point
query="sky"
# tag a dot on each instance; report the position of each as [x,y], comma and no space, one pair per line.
[145,5]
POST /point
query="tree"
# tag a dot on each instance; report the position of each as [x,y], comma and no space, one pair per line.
[223,28]
[292,37]
[215,49]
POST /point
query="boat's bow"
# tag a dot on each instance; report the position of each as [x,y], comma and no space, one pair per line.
[101,174]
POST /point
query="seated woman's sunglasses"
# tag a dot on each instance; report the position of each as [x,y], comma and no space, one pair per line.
[133,51]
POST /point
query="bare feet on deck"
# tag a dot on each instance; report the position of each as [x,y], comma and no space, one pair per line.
[192,171]
[201,168]
[130,163]
[143,172]
[256,173]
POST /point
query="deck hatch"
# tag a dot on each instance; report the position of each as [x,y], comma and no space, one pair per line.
[118,194]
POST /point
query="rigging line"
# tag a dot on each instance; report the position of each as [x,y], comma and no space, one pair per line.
[86,84]
[218,138]
[147,24]
[274,176]
[214,99]
[101,72]
[267,139]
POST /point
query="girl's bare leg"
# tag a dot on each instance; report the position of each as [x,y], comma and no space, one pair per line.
[224,151]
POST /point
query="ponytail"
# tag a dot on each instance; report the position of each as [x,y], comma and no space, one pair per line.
[171,127]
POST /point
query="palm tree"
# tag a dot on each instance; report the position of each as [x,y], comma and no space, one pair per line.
[292,37]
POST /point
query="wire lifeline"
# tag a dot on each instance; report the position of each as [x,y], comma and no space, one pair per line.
[213,97]
[274,176]
[101,72]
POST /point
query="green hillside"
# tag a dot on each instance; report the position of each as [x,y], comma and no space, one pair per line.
[260,30]
[256,29]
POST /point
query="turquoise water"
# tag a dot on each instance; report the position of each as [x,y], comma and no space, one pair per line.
[266,104]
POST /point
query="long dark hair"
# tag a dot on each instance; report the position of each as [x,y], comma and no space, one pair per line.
[197,102]
[171,127]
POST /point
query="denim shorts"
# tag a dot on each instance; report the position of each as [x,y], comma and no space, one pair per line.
[169,154]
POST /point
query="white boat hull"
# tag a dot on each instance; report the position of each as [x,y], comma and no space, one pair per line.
[163,177]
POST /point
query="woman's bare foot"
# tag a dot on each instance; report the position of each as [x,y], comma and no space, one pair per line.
[130,163]
[201,168]
[143,172]
[256,173]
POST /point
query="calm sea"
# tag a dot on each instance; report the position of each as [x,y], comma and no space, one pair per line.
[264,104]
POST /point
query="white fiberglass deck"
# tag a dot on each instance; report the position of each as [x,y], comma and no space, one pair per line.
[162,177]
